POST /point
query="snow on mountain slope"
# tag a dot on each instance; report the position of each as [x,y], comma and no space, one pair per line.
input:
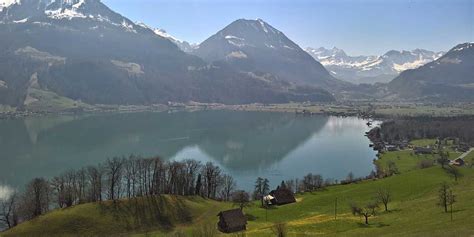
[256,46]
[7,3]
[183,45]
[371,69]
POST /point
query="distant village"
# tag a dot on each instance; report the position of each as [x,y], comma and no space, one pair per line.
[378,144]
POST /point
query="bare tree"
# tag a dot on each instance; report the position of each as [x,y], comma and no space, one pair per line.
[228,186]
[95,181]
[211,175]
[445,196]
[442,159]
[8,214]
[280,230]
[366,211]
[454,172]
[241,199]
[35,200]
[113,172]
[384,196]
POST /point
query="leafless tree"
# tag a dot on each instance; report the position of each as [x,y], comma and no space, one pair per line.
[35,200]
[453,171]
[8,215]
[94,175]
[241,199]
[366,211]
[445,196]
[384,196]
[280,230]
[113,172]
[211,175]
[228,186]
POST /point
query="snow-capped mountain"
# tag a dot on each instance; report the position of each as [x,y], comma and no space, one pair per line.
[84,51]
[371,69]
[183,45]
[451,77]
[255,45]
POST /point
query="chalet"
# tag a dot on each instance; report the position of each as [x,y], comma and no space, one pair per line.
[232,221]
[282,196]
[423,150]
[391,148]
[269,199]
[457,162]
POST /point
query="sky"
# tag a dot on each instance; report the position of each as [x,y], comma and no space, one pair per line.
[360,27]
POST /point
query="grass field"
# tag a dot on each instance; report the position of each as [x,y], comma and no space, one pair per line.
[413,211]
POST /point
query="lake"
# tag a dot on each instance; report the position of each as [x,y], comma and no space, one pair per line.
[277,146]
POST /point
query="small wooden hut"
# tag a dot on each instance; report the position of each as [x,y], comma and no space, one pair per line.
[232,221]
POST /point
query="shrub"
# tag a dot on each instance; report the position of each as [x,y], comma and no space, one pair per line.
[425,164]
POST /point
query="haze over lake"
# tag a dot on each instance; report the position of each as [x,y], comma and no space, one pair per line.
[278,146]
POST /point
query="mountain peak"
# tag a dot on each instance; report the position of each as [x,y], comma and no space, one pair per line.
[255,45]
[463,46]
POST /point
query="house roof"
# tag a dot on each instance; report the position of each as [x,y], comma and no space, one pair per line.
[283,196]
[233,218]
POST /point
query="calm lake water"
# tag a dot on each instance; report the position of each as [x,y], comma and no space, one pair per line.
[278,146]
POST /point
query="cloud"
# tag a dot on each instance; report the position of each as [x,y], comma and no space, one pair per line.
[5,192]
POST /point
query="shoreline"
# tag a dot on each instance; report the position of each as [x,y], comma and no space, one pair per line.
[367,110]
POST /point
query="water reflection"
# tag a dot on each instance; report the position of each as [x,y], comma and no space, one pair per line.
[245,144]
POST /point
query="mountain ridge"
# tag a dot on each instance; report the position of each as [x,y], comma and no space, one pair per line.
[371,69]
[449,78]
[84,51]
[255,45]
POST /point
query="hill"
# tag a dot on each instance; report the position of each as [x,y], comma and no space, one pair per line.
[413,210]
[449,78]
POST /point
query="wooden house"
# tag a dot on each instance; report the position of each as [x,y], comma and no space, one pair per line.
[282,196]
[232,221]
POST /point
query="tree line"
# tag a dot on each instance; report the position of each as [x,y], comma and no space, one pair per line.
[461,128]
[114,179]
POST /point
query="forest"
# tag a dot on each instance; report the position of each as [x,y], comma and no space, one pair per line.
[460,129]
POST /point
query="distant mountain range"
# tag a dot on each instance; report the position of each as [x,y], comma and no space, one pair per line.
[449,78]
[371,69]
[75,51]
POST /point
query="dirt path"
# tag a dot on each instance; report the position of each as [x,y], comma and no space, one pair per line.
[465,153]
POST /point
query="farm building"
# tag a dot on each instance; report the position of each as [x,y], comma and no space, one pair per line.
[423,150]
[457,162]
[232,221]
[282,196]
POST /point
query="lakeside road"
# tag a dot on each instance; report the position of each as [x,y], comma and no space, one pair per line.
[463,155]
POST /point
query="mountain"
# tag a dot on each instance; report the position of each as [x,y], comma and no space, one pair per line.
[371,69]
[449,78]
[75,51]
[256,46]
[183,45]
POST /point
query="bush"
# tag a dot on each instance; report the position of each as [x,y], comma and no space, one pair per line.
[425,164]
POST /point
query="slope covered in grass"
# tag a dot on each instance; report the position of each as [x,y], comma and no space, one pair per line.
[412,212]
[162,214]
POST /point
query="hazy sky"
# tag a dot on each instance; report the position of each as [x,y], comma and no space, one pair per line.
[357,26]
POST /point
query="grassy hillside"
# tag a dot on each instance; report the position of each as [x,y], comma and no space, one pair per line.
[413,211]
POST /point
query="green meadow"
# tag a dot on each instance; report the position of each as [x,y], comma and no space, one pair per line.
[413,210]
